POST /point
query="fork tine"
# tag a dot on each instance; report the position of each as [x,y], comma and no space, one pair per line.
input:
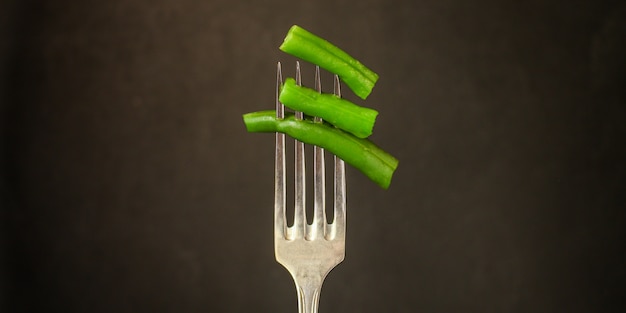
[299,220]
[279,166]
[338,227]
[319,180]
[318,88]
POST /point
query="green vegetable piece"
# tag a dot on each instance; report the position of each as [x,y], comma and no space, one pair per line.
[340,112]
[361,153]
[309,47]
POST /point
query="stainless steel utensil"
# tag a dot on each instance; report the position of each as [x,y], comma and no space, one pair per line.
[308,251]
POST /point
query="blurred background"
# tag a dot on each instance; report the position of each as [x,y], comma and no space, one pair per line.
[129,184]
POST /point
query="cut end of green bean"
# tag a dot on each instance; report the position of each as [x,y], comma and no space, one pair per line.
[311,48]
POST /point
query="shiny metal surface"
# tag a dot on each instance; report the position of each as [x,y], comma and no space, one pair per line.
[308,251]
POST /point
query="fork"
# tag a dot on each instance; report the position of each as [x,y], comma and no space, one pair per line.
[308,251]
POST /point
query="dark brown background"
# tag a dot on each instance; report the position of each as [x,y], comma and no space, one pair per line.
[129,183]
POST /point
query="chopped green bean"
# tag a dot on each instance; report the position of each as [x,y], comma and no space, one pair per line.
[309,47]
[340,112]
[361,153]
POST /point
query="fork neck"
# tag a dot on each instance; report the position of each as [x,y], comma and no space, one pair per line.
[308,298]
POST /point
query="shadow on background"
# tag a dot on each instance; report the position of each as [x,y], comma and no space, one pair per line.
[129,183]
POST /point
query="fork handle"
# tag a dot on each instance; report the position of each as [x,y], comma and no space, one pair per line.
[308,288]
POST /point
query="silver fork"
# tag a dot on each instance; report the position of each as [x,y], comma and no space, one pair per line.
[308,251]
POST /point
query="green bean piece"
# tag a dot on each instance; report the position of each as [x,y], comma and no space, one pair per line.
[340,112]
[311,48]
[361,153]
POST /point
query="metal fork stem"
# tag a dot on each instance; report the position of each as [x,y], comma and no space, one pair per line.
[309,289]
